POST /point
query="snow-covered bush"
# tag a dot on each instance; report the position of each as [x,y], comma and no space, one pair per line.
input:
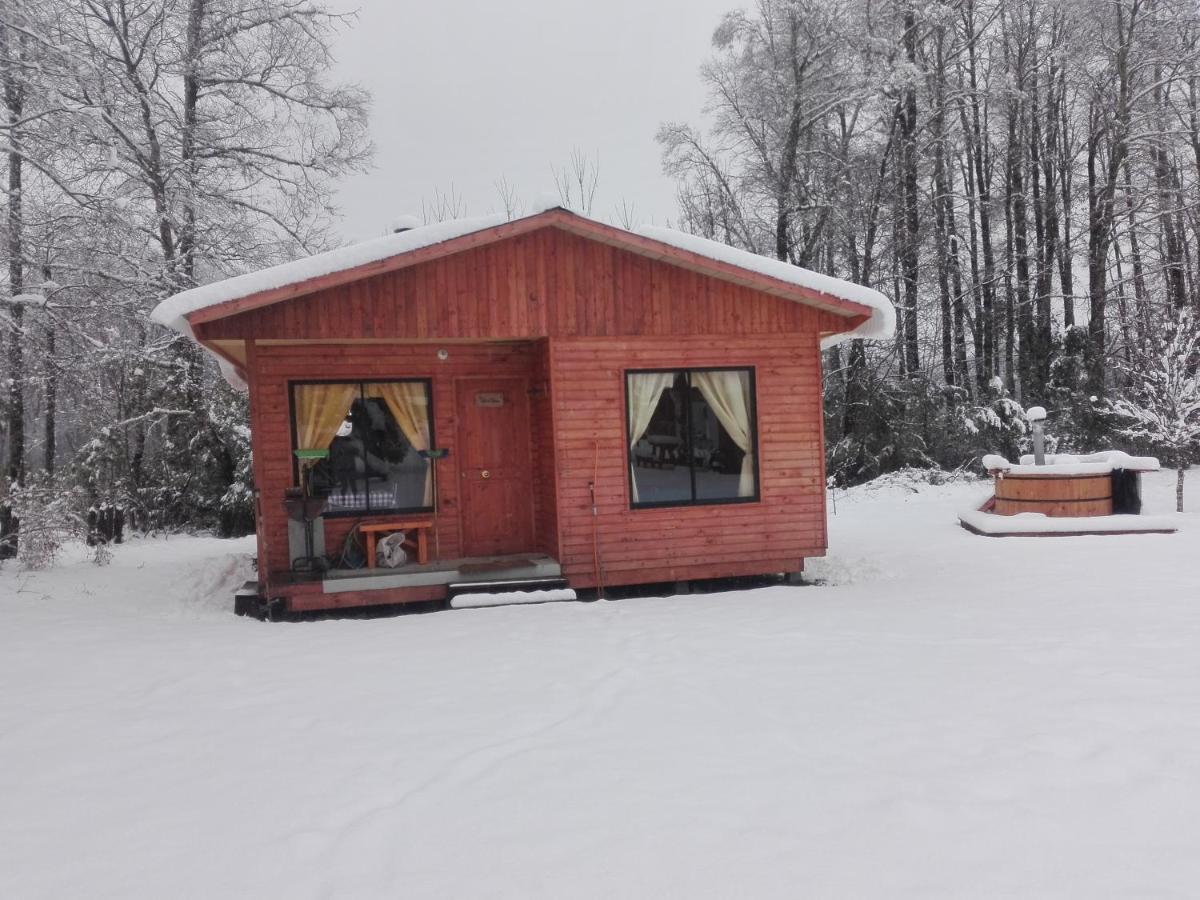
[49,516]
[1161,407]
[903,423]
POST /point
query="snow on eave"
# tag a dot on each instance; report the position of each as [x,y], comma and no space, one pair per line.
[880,326]
[173,311]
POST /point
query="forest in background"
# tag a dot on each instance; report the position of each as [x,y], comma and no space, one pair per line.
[149,146]
[1020,176]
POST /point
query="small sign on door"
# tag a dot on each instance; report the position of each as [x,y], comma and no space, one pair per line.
[489,398]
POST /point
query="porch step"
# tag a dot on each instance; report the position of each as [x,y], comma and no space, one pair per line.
[499,586]
[474,594]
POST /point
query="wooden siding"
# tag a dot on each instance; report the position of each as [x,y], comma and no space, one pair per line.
[545,471]
[546,283]
[571,315]
[678,543]
[1054,495]
[273,367]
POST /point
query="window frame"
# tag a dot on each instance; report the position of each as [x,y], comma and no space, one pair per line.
[363,513]
[630,464]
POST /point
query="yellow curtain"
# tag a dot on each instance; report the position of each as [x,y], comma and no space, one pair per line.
[409,405]
[320,411]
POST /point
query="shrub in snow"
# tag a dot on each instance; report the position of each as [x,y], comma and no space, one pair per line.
[1079,423]
[899,423]
[1161,406]
[49,517]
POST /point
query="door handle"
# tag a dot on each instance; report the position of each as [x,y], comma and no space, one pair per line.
[485,474]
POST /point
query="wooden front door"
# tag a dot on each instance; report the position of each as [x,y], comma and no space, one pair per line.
[495,468]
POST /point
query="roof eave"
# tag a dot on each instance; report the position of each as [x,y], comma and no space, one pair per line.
[853,311]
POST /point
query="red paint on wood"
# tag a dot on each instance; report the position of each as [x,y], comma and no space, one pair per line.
[500,293]
[595,233]
[566,317]
[494,466]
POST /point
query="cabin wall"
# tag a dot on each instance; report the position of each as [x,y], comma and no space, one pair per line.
[572,315]
[547,283]
[691,542]
[545,470]
[274,366]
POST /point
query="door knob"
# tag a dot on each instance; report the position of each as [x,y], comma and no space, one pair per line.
[485,474]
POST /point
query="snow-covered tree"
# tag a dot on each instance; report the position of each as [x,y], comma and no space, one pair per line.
[152,147]
[1161,407]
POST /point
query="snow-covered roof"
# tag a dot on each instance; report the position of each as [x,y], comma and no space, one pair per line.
[1071,464]
[881,324]
[174,311]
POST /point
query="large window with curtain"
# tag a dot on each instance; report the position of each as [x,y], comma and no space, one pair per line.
[363,445]
[691,436]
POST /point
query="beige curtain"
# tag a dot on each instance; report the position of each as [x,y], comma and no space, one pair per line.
[728,393]
[645,389]
[320,411]
[409,404]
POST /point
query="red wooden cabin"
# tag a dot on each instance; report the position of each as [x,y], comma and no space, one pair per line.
[616,407]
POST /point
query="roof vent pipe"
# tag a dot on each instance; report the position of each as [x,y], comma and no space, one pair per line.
[403,223]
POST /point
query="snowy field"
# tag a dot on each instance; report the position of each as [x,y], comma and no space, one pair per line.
[948,716]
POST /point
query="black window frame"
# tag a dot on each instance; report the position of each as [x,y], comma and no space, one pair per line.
[368,512]
[686,371]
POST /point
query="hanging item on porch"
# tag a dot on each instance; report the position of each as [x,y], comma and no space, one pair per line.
[390,553]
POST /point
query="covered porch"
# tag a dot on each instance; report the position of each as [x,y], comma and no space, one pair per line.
[457,435]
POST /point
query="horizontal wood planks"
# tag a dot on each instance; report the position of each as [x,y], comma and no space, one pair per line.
[308,601]
[545,471]
[272,368]
[571,315]
[1054,495]
[544,283]
[578,431]
[679,543]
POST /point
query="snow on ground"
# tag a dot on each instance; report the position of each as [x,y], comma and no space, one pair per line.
[948,716]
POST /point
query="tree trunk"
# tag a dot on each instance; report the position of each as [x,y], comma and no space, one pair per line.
[910,253]
[1108,129]
[1019,298]
[1066,273]
[942,205]
[51,378]
[1044,249]
[1179,487]
[983,192]
[14,102]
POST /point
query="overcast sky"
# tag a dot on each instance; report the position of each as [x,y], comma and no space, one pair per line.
[467,93]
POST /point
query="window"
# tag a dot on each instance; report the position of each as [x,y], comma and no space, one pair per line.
[691,436]
[362,445]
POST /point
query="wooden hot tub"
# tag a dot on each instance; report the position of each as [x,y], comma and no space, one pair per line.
[1076,495]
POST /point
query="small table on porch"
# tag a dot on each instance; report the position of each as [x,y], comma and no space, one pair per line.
[420,541]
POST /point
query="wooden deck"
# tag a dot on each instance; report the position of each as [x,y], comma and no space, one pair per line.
[987,522]
[408,584]
[441,572]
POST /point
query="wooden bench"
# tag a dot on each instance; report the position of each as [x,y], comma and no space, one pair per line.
[420,541]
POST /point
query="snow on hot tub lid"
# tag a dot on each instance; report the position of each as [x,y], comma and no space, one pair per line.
[1071,464]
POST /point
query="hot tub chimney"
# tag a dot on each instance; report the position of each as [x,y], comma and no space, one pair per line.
[1036,415]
